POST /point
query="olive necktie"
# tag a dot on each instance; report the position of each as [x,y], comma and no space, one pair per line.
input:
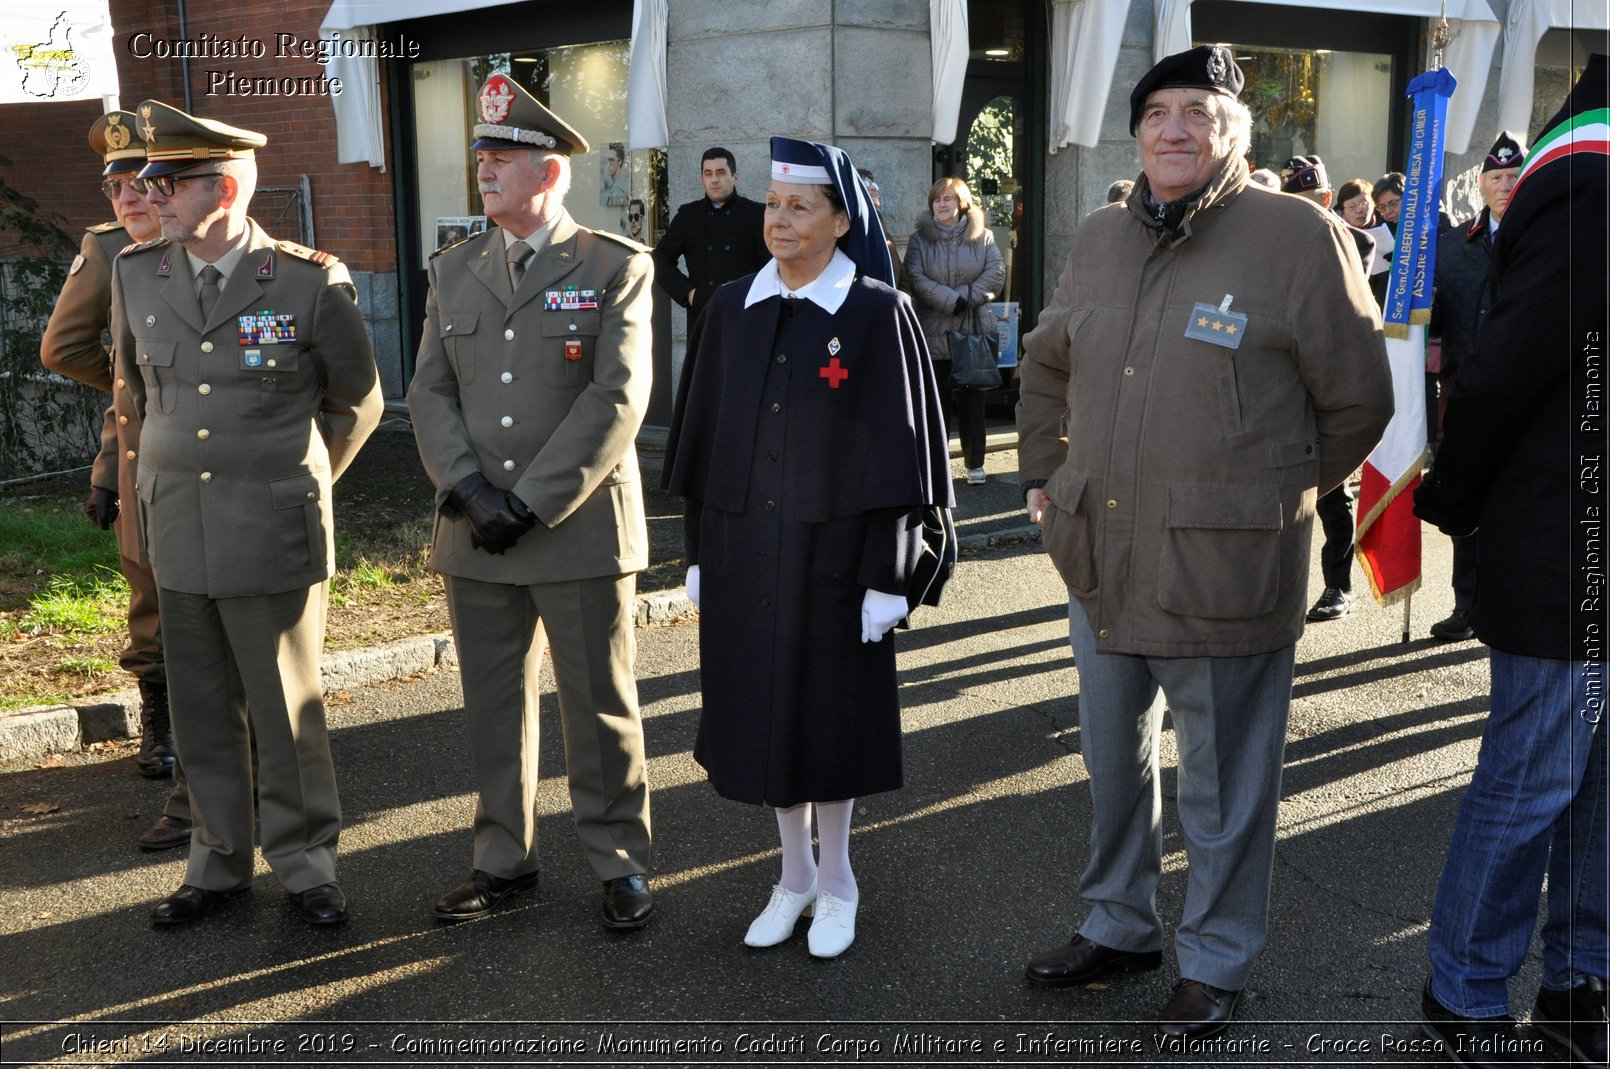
[519,253]
[209,290]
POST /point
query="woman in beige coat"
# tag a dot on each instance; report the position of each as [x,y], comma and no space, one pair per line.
[955,271]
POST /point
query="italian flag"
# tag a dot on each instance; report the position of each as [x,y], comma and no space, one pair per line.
[1588,131]
[1387,539]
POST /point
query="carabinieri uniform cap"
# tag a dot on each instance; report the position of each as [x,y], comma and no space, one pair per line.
[176,141]
[1203,67]
[1303,173]
[1508,151]
[115,138]
[812,163]
[512,118]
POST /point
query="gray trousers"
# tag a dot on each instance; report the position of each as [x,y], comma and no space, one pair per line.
[1229,717]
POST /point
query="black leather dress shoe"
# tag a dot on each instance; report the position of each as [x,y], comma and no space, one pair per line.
[1576,1020]
[479,895]
[1197,1010]
[321,905]
[627,902]
[165,833]
[1476,1042]
[1083,961]
[1456,628]
[1333,604]
[188,903]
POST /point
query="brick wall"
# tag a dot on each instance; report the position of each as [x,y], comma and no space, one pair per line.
[352,202]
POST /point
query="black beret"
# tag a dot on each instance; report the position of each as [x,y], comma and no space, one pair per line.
[1506,152]
[1203,67]
[1302,173]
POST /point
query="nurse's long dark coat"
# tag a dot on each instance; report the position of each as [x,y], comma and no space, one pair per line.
[806,444]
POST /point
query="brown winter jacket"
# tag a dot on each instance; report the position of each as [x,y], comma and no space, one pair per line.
[943,268]
[1183,474]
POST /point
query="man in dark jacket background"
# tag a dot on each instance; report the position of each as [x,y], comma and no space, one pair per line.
[1522,460]
[722,236]
[1464,258]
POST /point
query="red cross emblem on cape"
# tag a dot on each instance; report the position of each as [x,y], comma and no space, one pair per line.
[834,373]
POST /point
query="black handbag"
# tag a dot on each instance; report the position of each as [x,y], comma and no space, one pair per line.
[937,561]
[975,357]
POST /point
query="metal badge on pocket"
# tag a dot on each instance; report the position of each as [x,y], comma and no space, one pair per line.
[1217,326]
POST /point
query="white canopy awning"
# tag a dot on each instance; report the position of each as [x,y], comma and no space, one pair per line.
[1529,20]
[359,129]
[951,47]
[1085,37]
[1468,59]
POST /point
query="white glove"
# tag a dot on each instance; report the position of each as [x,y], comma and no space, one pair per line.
[880,612]
[693,585]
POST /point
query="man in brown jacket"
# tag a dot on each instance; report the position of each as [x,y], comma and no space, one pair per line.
[248,361]
[1210,361]
[72,346]
[532,381]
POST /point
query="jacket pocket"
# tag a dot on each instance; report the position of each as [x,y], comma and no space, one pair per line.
[569,340]
[458,338]
[297,523]
[155,361]
[1220,553]
[261,373]
[1065,530]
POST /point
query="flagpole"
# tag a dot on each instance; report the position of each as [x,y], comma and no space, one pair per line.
[1408,602]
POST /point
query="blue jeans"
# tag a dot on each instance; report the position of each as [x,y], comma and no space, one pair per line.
[1536,804]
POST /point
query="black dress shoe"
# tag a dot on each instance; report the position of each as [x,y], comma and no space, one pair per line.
[1083,961]
[627,902]
[1575,1019]
[165,833]
[321,905]
[188,903]
[1456,628]
[1333,604]
[479,895]
[1476,1042]
[1197,1011]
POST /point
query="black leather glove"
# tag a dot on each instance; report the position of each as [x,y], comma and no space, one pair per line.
[101,508]
[961,305]
[1429,506]
[497,518]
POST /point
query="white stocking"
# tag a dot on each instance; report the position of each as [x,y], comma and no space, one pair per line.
[833,835]
[799,862]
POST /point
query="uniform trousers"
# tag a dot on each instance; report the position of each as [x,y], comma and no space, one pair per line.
[1538,804]
[256,657]
[499,630]
[1229,716]
[1335,511]
[142,658]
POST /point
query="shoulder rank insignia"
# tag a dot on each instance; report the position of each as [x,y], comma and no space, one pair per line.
[140,246]
[323,259]
[105,228]
[454,245]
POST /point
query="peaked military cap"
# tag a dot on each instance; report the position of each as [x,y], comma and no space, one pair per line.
[1203,67]
[1507,152]
[513,118]
[175,141]
[1303,173]
[115,137]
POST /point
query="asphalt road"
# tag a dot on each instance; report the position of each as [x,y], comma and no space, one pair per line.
[964,874]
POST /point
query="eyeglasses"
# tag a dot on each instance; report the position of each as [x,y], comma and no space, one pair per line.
[113,187]
[636,217]
[165,183]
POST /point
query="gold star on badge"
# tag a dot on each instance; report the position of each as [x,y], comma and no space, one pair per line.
[1218,324]
[1201,321]
[1230,329]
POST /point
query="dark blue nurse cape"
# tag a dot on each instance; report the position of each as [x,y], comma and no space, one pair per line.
[806,444]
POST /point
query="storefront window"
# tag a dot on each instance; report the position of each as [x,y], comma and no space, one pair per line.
[611,188]
[1331,103]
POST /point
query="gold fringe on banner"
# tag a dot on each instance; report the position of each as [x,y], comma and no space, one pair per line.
[1420,316]
[1396,330]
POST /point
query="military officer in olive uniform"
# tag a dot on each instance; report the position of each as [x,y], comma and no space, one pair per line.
[73,345]
[531,384]
[248,361]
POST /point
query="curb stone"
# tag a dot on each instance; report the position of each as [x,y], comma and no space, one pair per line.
[47,729]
